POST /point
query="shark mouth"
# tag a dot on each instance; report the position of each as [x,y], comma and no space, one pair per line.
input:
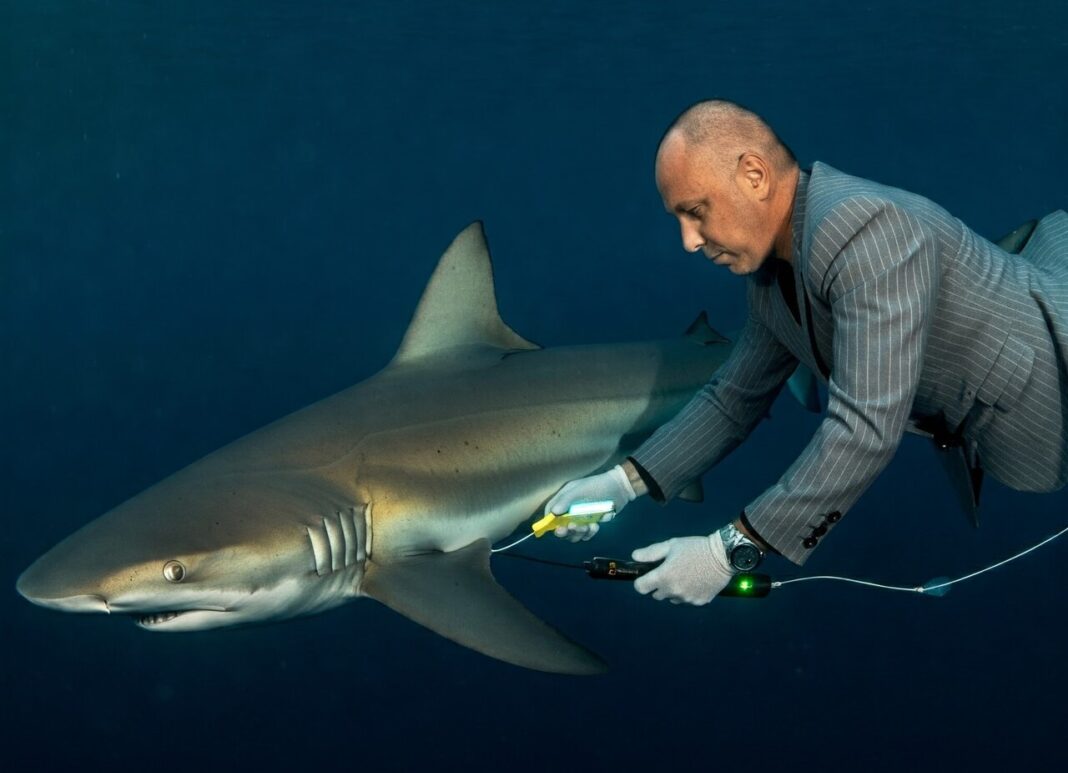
[183,620]
[156,619]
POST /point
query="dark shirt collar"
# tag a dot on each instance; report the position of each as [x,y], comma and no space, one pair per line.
[797,222]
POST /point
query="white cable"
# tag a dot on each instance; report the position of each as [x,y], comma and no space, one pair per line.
[928,588]
[1000,563]
[779,583]
[508,547]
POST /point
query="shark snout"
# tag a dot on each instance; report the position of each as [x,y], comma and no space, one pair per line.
[45,588]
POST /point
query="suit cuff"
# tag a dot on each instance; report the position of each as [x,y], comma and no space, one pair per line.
[792,538]
[749,527]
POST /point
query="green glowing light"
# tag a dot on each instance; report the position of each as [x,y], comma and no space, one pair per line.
[746,584]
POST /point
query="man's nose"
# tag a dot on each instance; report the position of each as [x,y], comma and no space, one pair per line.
[692,240]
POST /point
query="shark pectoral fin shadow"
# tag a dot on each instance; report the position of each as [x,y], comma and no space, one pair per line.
[454,595]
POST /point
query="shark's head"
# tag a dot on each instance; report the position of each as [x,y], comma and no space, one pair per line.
[188,555]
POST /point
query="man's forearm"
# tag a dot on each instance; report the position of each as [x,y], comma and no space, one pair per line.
[634,478]
[640,489]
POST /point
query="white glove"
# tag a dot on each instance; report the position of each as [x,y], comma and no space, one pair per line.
[695,569]
[612,485]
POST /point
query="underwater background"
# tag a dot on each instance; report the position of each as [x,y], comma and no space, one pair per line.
[214,213]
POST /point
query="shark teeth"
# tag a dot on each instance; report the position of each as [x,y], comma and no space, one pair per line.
[156,619]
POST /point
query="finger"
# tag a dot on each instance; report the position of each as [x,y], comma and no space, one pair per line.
[653,552]
[576,532]
[647,583]
[569,530]
[591,530]
[561,500]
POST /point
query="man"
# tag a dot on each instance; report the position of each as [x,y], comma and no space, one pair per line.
[910,317]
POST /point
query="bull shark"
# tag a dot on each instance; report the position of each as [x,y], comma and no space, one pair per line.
[393,489]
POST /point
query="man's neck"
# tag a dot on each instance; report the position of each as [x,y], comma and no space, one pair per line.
[783,246]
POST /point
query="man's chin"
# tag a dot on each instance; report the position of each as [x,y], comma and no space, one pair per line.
[743,266]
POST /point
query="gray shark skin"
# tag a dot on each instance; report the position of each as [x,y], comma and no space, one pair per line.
[393,489]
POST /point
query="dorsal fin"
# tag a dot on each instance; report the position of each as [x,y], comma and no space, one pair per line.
[459,304]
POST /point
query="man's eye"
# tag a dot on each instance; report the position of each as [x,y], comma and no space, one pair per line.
[695,212]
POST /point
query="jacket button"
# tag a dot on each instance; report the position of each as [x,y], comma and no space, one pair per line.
[834,517]
[820,530]
[809,542]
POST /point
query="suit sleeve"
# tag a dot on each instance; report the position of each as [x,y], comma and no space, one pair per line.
[721,415]
[876,267]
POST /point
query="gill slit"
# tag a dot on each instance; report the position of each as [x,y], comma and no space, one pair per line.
[339,540]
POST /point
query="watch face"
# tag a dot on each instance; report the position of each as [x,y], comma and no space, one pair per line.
[745,557]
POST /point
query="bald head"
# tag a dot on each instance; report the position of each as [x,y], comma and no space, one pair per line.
[725,131]
[730,181]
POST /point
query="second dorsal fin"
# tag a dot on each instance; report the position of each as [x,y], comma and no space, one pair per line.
[703,333]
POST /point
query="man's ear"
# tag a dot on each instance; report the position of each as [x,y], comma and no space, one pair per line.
[754,176]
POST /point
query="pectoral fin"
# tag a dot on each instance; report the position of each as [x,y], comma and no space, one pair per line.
[803,386]
[693,492]
[454,594]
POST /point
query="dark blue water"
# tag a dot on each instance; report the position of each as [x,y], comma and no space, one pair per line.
[213,213]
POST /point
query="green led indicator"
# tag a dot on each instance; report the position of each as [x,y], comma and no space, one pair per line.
[748,586]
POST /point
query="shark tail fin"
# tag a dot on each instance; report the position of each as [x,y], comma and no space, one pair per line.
[454,594]
[459,305]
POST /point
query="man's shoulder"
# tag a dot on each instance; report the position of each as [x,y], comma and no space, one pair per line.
[841,210]
[824,179]
[856,199]
[831,191]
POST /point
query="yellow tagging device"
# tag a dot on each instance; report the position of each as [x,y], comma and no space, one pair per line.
[580,512]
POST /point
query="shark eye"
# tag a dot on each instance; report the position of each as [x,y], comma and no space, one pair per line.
[173,571]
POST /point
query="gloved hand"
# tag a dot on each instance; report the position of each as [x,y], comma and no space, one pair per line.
[695,569]
[612,485]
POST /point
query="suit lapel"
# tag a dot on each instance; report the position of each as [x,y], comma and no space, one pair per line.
[799,264]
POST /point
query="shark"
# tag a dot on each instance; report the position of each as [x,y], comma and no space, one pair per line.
[393,489]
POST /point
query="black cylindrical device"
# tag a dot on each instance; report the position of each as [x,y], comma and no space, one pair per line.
[745,585]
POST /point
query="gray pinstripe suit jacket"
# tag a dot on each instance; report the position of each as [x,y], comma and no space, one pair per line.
[914,315]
